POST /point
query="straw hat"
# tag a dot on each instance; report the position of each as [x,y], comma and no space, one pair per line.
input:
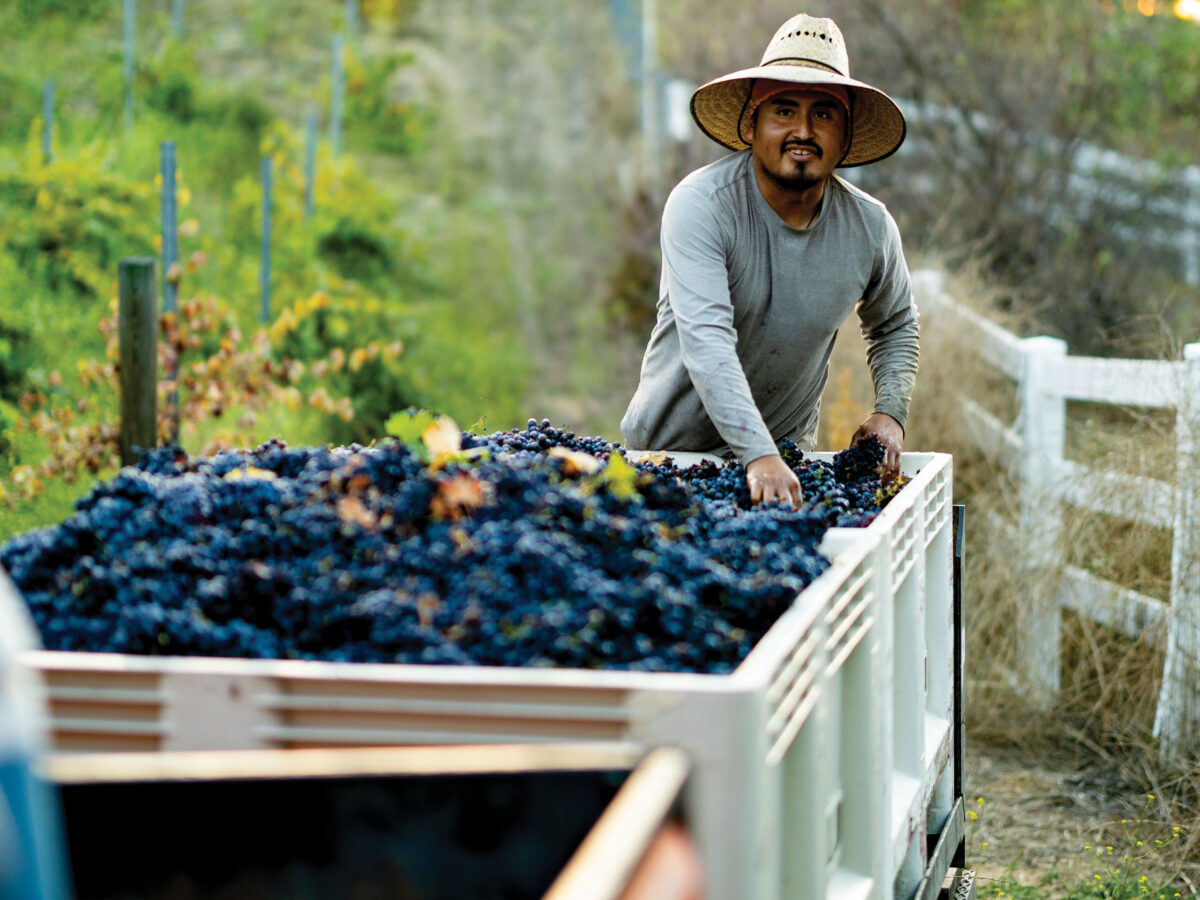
[805,50]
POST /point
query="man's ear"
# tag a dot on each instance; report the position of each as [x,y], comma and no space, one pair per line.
[748,130]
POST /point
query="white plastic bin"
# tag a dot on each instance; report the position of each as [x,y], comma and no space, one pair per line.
[820,764]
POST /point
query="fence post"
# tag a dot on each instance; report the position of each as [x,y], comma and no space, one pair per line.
[1189,235]
[170,276]
[352,21]
[337,84]
[170,232]
[264,270]
[130,24]
[310,163]
[48,120]
[1178,715]
[137,322]
[1043,433]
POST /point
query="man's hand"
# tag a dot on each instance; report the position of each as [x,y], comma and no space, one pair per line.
[771,481]
[890,434]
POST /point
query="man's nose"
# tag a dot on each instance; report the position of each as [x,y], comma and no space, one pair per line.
[802,127]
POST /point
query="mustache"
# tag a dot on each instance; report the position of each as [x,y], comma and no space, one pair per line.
[807,145]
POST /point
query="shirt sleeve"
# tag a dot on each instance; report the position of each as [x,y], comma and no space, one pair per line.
[888,317]
[695,269]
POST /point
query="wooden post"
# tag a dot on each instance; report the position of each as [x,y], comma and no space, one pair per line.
[264,271]
[310,163]
[130,25]
[48,120]
[1043,433]
[137,321]
[337,84]
[1177,719]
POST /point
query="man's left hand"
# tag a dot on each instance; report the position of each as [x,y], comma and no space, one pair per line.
[890,434]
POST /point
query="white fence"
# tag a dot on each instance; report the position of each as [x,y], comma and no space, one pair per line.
[1032,448]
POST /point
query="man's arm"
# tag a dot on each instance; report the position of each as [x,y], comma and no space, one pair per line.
[888,317]
[697,274]
[696,269]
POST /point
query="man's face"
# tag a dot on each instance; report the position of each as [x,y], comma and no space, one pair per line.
[798,137]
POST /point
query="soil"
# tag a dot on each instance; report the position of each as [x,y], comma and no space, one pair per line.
[1047,821]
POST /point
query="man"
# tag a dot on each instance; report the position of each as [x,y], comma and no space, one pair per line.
[764,255]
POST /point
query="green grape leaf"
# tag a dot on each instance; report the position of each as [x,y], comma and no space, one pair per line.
[409,425]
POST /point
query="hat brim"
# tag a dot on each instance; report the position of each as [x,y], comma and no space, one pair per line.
[877,125]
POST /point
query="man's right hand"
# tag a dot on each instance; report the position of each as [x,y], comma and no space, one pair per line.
[771,481]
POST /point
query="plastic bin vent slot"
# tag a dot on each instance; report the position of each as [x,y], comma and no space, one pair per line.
[114,712]
[904,552]
[365,713]
[850,619]
[792,697]
[937,505]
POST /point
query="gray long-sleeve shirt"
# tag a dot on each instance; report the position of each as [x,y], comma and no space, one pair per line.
[749,308]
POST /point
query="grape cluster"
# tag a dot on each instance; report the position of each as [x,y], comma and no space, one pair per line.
[509,553]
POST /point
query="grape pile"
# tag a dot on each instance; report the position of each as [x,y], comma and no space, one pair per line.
[531,547]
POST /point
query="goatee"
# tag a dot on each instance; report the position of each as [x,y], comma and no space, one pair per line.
[800,181]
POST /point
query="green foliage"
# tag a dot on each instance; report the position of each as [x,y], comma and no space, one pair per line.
[351,231]
[359,344]
[378,111]
[170,86]
[71,220]
[31,11]
[408,425]
[395,328]
[1129,80]
[175,102]
[22,104]
[8,423]
[16,358]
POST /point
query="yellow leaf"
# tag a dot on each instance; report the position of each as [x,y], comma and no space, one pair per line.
[619,477]
[575,462]
[248,473]
[352,509]
[442,436]
[458,496]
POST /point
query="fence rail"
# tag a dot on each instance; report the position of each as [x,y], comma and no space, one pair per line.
[1032,449]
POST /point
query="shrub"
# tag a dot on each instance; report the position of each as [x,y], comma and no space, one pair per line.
[71,220]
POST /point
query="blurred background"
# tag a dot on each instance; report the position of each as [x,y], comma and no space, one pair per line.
[454,205]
